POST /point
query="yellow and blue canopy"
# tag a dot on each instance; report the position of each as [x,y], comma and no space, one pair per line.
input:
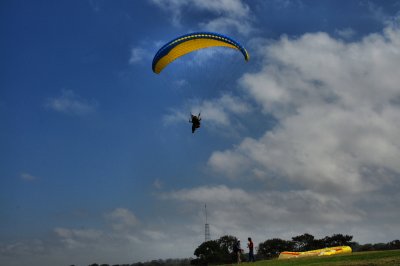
[192,42]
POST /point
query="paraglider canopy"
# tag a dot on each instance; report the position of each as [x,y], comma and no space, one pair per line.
[192,42]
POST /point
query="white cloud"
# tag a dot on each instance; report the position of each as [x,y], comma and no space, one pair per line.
[28,177]
[223,15]
[78,238]
[122,219]
[338,112]
[125,240]
[234,8]
[22,248]
[218,112]
[139,54]
[156,235]
[227,24]
[71,103]
[231,163]
[233,210]
[158,184]
[330,165]
[346,33]
[175,116]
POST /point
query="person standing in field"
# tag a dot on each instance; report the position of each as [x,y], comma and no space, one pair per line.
[238,251]
[250,246]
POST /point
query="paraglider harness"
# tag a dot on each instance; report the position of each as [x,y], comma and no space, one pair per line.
[195,120]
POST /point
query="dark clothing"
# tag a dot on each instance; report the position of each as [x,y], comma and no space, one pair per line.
[238,251]
[251,256]
[250,245]
[195,122]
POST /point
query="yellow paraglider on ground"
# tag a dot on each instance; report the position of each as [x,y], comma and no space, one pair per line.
[317,252]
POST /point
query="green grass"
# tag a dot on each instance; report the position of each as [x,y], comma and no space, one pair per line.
[370,258]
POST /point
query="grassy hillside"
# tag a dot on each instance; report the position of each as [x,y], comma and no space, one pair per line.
[371,258]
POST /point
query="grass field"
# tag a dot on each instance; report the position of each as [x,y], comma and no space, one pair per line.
[370,258]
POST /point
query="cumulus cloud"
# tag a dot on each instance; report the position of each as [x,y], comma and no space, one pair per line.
[126,240]
[331,162]
[78,238]
[140,54]
[264,210]
[219,112]
[235,8]
[346,33]
[222,15]
[122,219]
[137,55]
[338,113]
[227,24]
[71,103]
[123,240]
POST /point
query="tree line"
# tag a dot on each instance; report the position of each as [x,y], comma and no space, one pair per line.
[220,251]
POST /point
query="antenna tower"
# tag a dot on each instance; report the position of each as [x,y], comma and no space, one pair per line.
[207,227]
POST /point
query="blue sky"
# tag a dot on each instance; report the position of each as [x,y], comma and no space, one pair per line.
[98,162]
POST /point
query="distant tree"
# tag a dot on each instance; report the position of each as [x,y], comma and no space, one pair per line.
[380,246]
[395,244]
[304,242]
[226,243]
[317,244]
[271,248]
[215,251]
[367,247]
[155,263]
[338,240]
[184,262]
[208,252]
[355,246]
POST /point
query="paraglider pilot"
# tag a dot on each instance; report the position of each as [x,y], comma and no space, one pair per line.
[195,120]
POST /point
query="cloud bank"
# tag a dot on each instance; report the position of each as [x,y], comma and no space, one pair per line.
[338,107]
[331,163]
[123,239]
